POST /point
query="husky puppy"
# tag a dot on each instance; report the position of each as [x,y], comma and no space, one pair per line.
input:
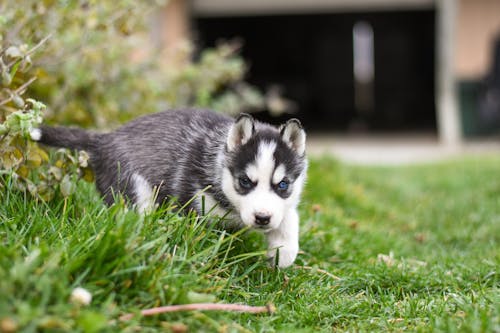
[252,172]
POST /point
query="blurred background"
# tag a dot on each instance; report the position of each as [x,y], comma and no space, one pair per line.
[369,79]
[364,65]
[405,68]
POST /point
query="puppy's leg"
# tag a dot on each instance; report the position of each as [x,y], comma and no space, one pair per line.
[144,194]
[284,239]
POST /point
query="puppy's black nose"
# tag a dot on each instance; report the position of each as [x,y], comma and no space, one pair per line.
[262,219]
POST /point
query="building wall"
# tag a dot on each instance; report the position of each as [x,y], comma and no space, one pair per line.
[478,23]
[466,60]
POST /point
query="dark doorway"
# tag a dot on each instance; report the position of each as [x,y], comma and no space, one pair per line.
[311,57]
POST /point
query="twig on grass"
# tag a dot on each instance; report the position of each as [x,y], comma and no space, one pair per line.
[203,307]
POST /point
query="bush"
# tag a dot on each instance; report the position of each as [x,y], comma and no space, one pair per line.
[78,58]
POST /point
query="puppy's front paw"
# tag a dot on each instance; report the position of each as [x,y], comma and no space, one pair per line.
[282,257]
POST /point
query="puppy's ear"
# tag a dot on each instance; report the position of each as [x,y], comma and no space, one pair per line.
[294,135]
[241,131]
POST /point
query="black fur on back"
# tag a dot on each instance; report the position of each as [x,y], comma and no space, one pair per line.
[176,151]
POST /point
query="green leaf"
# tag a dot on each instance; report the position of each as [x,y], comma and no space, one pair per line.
[37,106]
[56,171]
[87,175]
[67,186]
[18,101]
[6,79]
[3,129]
[13,52]
[13,71]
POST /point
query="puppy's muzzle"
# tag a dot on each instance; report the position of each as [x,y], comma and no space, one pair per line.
[262,219]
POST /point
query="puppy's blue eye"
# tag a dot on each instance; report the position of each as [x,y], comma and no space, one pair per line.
[245,182]
[283,185]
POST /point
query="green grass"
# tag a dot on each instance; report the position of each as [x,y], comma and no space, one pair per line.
[437,225]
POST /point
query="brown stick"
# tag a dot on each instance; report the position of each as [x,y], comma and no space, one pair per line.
[203,307]
[33,49]
[19,90]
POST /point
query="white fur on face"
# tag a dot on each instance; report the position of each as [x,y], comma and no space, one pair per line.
[293,200]
[279,174]
[262,199]
[145,197]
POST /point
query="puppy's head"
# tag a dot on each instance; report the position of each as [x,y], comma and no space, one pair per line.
[264,170]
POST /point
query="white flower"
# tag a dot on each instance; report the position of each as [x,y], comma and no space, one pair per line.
[81,296]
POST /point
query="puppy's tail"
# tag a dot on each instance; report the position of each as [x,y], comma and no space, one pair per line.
[64,137]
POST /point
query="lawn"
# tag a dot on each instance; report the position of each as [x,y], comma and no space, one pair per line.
[382,249]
